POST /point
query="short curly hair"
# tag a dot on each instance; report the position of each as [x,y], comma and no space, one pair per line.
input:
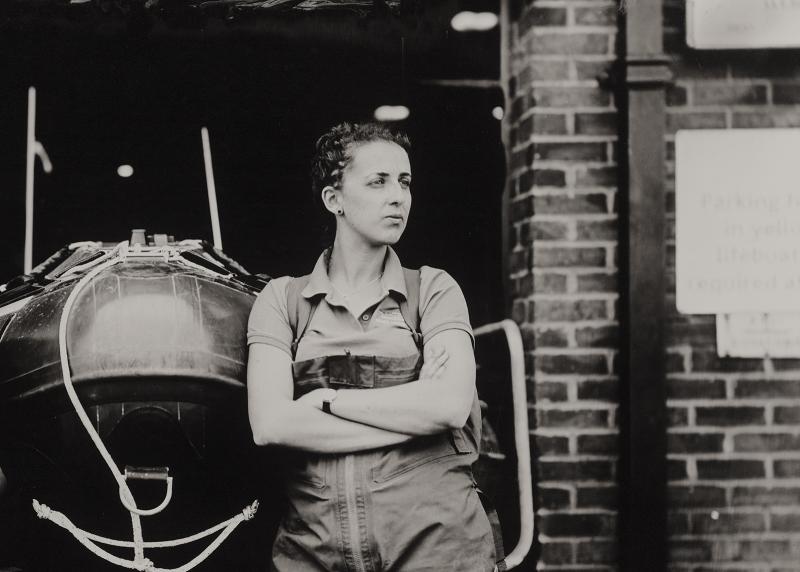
[334,151]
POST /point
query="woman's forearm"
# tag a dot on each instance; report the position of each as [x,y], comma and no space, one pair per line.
[421,407]
[303,427]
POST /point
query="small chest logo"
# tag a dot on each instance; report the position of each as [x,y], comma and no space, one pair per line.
[391,316]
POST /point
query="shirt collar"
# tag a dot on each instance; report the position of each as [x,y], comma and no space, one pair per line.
[393,279]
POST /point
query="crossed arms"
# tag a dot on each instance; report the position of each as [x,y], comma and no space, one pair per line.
[364,418]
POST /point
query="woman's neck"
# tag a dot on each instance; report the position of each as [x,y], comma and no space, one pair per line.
[355,265]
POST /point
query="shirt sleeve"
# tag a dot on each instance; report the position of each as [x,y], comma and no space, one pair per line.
[269,317]
[442,305]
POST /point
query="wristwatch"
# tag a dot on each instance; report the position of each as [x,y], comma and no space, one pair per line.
[326,402]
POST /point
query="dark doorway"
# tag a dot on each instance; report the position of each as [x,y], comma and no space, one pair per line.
[116,89]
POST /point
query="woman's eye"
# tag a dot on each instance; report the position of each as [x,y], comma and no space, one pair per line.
[405,183]
[377,182]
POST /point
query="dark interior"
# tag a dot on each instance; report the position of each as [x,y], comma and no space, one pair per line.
[118,87]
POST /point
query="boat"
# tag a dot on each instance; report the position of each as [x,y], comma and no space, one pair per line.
[151,334]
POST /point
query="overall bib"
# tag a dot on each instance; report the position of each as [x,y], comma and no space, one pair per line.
[412,507]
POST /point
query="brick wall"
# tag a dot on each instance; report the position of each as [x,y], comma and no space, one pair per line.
[564,271]
[734,436]
[734,424]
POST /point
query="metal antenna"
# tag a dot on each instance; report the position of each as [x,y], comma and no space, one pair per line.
[212,189]
[34,149]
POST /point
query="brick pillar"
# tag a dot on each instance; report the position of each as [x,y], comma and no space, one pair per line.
[563,266]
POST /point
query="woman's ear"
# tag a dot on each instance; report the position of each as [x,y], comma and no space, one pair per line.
[331,198]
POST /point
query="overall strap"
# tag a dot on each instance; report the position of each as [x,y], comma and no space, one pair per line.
[300,309]
[409,308]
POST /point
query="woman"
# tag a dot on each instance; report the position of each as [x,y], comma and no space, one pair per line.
[380,476]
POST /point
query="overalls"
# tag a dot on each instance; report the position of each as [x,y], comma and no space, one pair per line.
[413,507]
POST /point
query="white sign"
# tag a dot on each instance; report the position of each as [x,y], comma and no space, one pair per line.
[758,335]
[737,225]
[730,24]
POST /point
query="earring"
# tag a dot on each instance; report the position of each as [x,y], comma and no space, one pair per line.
[340,212]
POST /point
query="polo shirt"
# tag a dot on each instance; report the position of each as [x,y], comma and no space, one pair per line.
[377,330]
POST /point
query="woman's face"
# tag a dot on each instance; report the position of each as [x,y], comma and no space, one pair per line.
[375,194]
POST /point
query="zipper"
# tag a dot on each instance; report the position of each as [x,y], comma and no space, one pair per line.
[352,513]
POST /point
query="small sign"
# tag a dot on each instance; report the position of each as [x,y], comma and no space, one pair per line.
[737,227]
[755,335]
[737,24]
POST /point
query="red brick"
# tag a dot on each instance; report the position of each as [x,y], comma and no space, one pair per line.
[550,338]
[705,360]
[567,310]
[544,445]
[724,93]
[590,524]
[596,552]
[786,93]
[727,523]
[541,17]
[596,16]
[676,96]
[597,229]
[765,550]
[561,471]
[689,551]
[522,286]
[695,120]
[570,151]
[550,391]
[785,522]
[596,123]
[598,497]
[677,416]
[696,331]
[550,43]
[730,416]
[581,418]
[571,364]
[547,178]
[551,498]
[606,282]
[787,416]
[696,496]
[789,468]
[694,442]
[762,442]
[598,444]
[558,257]
[692,65]
[521,209]
[569,97]
[677,470]
[597,177]
[578,204]
[520,260]
[545,283]
[767,388]
[781,64]
[773,117]
[548,230]
[599,337]
[730,469]
[678,388]
[766,496]
[593,69]
[548,70]
[548,124]
[556,553]
[519,311]
[785,364]
[602,390]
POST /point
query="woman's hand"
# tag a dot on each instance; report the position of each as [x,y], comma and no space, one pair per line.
[435,362]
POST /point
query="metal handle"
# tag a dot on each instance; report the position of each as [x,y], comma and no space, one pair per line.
[521,437]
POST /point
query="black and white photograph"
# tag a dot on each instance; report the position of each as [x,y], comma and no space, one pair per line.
[400,285]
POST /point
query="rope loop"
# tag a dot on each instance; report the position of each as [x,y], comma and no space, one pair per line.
[249,512]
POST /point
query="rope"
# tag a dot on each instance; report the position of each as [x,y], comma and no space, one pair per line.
[89,540]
